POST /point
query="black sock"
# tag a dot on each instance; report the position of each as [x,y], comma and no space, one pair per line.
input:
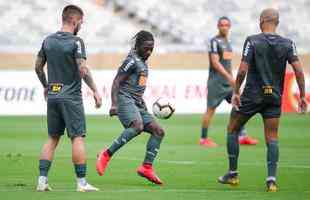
[204,133]
[80,170]
[272,157]
[44,167]
[233,151]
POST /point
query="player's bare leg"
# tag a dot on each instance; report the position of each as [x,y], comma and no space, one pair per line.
[152,149]
[236,121]
[128,134]
[271,126]
[206,119]
[46,158]
[79,161]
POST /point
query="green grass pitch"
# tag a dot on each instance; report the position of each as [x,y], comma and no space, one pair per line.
[189,171]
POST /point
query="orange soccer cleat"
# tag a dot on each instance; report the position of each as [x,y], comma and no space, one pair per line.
[247,140]
[102,162]
[207,142]
[146,171]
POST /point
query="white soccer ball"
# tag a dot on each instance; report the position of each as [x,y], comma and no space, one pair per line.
[163,109]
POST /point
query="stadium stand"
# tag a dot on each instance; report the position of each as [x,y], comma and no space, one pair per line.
[192,22]
[181,25]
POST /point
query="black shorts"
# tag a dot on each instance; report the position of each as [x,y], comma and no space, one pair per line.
[66,114]
[267,110]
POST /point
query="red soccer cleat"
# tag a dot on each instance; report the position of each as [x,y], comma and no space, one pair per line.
[102,162]
[247,140]
[207,142]
[147,172]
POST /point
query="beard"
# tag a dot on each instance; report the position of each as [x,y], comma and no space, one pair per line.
[76,30]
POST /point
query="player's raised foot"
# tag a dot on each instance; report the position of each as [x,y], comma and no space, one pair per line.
[271,186]
[207,142]
[247,140]
[102,162]
[147,172]
[86,188]
[229,178]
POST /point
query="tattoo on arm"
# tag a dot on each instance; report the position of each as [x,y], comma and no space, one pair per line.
[86,74]
[39,68]
[243,69]
[300,78]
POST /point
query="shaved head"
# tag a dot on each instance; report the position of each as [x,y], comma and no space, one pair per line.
[270,15]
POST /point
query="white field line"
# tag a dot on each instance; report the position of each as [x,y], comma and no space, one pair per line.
[228,190]
[189,162]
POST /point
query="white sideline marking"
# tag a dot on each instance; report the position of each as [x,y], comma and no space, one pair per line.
[231,190]
[189,162]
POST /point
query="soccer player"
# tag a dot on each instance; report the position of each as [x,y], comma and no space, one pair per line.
[127,103]
[65,56]
[264,60]
[220,81]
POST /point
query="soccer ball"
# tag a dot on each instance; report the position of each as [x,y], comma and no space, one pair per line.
[163,109]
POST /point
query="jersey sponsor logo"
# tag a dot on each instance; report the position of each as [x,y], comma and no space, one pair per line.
[129,64]
[228,55]
[246,49]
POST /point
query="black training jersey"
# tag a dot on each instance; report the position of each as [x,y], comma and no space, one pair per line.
[135,85]
[61,50]
[267,56]
[222,47]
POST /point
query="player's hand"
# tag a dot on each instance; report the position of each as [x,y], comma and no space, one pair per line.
[235,101]
[98,99]
[302,105]
[232,82]
[83,71]
[113,111]
[45,93]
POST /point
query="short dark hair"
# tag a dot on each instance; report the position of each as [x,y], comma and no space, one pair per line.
[270,15]
[223,18]
[69,11]
[142,36]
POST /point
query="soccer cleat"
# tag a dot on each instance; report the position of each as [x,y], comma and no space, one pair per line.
[147,172]
[207,142]
[86,188]
[229,178]
[43,187]
[271,186]
[102,162]
[247,140]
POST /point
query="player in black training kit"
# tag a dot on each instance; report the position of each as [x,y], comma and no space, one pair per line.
[65,56]
[264,61]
